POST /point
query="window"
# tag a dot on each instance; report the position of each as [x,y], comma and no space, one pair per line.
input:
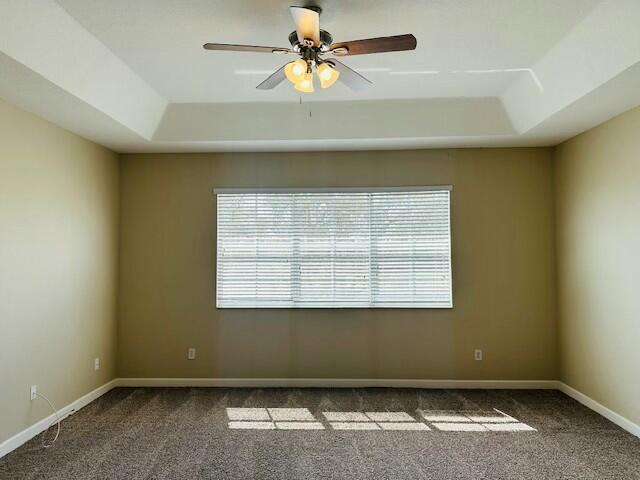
[334,249]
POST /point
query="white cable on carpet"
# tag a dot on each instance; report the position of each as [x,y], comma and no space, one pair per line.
[55,411]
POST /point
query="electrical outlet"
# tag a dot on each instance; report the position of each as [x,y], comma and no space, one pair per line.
[191,353]
[33,391]
[96,364]
[477,355]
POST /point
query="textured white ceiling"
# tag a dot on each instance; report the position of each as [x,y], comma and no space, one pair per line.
[161,41]
[132,75]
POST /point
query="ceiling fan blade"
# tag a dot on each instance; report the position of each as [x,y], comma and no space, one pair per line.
[245,48]
[375,45]
[350,77]
[307,24]
[273,80]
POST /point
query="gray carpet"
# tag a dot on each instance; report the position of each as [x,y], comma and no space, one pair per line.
[187,433]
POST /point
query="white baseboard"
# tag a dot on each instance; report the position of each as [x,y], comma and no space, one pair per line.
[337,383]
[607,413]
[27,434]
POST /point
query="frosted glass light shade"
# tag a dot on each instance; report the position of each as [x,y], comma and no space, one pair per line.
[306,84]
[295,71]
[328,75]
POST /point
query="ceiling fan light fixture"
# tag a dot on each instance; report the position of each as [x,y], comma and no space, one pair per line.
[311,43]
[327,74]
[306,84]
[295,71]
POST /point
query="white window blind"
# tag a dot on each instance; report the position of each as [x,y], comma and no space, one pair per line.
[334,249]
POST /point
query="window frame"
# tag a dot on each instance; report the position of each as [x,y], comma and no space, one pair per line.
[285,190]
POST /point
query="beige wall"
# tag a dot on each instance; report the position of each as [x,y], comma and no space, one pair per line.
[598,214]
[59,219]
[58,249]
[503,260]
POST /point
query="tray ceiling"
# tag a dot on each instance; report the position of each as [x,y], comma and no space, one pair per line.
[133,75]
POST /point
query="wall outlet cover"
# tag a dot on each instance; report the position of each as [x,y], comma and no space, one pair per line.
[191,353]
[96,364]
[477,355]
[33,391]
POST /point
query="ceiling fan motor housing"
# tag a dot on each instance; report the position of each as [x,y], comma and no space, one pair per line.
[325,42]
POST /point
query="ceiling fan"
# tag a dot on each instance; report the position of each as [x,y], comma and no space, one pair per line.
[312,44]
